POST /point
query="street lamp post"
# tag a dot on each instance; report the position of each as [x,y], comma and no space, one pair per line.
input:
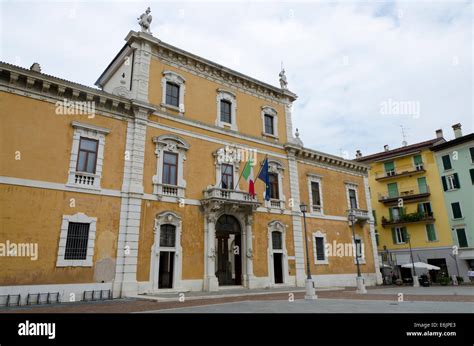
[359,280]
[415,278]
[310,291]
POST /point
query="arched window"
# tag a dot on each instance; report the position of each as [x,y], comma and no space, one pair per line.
[167,235]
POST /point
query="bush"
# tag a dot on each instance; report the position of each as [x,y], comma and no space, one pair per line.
[398,282]
[460,279]
[444,281]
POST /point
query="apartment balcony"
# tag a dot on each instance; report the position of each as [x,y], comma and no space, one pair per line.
[408,194]
[362,215]
[217,196]
[404,219]
[398,172]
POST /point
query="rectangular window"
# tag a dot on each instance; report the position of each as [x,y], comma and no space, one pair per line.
[170,168]
[399,235]
[276,241]
[320,251]
[269,126]
[273,177]
[471,172]
[450,182]
[430,232]
[389,168]
[227,176]
[418,162]
[422,187]
[76,241]
[462,239]
[446,162]
[172,94]
[425,209]
[395,213]
[87,156]
[353,198]
[471,150]
[456,207]
[315,194]
[377,238]
[392,190]
[167,235]
[226,115]
[358,248]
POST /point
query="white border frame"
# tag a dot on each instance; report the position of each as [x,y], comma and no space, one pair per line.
[173,77]
[320,234]
[277,226]
[166,218]
[177,145]
[81,218]
[267,110]
[91,132]
[276,167]
[354,187]
[362,246]
[317,179]
[226,95]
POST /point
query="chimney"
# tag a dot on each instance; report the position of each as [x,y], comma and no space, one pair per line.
[457,130]
[358,154]
[439,133]
[385,147]
[35,67]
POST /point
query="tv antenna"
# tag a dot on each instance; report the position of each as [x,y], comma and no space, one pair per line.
[404,142]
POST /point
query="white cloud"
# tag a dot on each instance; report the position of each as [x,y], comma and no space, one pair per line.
[342,59]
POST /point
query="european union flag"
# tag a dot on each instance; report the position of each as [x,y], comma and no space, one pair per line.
[265,178]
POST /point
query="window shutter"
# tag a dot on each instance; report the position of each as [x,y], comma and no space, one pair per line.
[390,212]
[417,159]
[445,185]
[420,208]
[394,236]
[405,234]
[446,162]
[456,181]
[389,166]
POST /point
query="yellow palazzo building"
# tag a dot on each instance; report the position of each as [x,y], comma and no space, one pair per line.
[134,187]
[409,210]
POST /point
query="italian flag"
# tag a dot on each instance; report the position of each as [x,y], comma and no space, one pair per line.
[248,176]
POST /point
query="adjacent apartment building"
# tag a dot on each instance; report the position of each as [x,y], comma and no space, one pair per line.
[135,187]
[455,161]
[409,209]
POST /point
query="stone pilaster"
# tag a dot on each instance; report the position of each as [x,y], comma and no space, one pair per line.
[210,282]
[296,217]
[373,241]
[125,282]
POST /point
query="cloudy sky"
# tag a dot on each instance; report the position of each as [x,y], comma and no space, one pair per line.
[361,70]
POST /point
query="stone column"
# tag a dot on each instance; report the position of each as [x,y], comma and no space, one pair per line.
[211,283]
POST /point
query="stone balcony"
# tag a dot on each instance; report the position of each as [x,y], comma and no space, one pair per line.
[218,196]
[362,215]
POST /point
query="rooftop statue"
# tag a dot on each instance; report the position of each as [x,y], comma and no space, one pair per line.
[145,20]
[283,80]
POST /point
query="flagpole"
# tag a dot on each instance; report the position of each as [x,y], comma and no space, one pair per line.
[240,176]
[261,166]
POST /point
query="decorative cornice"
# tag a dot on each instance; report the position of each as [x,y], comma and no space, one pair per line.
[26,82]
[212,70]
[310,155]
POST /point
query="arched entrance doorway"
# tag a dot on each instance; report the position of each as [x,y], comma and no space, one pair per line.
[228,251]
